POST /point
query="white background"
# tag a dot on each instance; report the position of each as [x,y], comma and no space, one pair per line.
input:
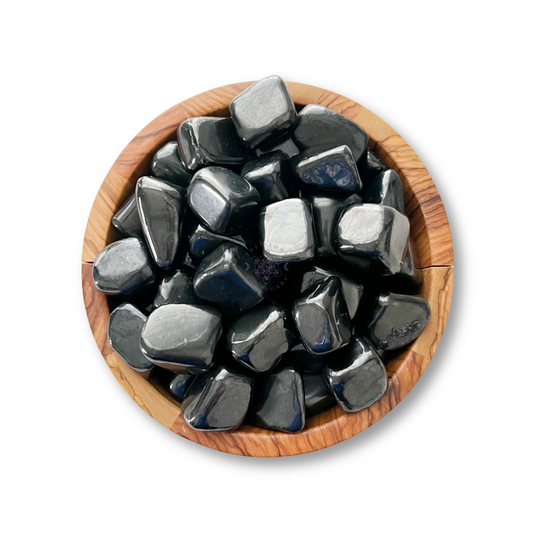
[80,79]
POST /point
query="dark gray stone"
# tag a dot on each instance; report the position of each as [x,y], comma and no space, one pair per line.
[203,241]
[321,317]
[397,320]
[182,337]
[356,376]
[318,396]
[386,189]
[268,175]
[408,280]
[176,288]
[303,360]
[263,112]
[127,220]
[217,400]
[369,166]
[123,267]
[167,165]
[179,385]
[284,144]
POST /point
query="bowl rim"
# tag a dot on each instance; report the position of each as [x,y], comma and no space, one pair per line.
[432,253]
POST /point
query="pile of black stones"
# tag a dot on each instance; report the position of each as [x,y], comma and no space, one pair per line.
[265,273]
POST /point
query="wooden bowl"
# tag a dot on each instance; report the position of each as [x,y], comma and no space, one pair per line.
[432,251]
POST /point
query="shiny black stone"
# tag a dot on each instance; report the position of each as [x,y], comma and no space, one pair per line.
[321,317]
[377,234]
[217,400]
[223,200]
[279,401]
[370,166]
[124,333]
[203,241]
[356,376]
[127,220]
[284,144]
[408,280]
[333,169]
[286,231]
[123,267]
[263,112]
[259,338]
[182,337]
[268,175]
[161,208]
[318,396]
[226,279]
[303,360]
[205,141]
[352,290]
[397,320]
[176,288]
[319,126]
[386,189]
[167,165]
[179,385]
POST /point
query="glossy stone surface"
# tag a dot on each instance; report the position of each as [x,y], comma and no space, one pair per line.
[279,401]
[259,338]
[303,360]
[374,233]
[284,144]
[263,111]
[225,278]
[408,280]
[268,175]
[203,241]
[161,208]
[319,126]
[351,289]
[222,200]
[217,400]
[205,141]
[318,396]
[123,267]
[167,165]
[397,320]
[369,166]
[176,288]
[127,220]
[286,231]
[386,189]
[356,376]
[321,317]
[179,385]
[182,337]
[333,169]
[124,333]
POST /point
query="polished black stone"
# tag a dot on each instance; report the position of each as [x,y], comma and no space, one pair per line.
[408,280]
[217,400]
[386,189]
[333,169]
[319,126]
[182,337]
[322,318]
[203,241]
[284,144]
[318,396]
[268,174]
[375,234]
[167,165]
[370,166]
[263,112]
[179,385]
[205,141]
[124,333]
[304,360]
[259,338]
[161,208]
[226,279]
[223,200]
[123,267]
[397,320]
[286,231]
[176,288]
[279,401]
[356,376]
[127,220]
[352,290]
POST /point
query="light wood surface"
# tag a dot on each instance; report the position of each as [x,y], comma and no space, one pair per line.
[432,251]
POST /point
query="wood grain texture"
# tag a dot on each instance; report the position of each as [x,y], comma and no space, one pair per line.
[432,250]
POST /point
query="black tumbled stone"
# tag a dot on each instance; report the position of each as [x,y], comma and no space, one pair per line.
[386,189]
[202,241]
[167,165]
[176,288]
[268,174]
[369,166]
[318,396]
[127,220]
[283,144]
[303,360]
